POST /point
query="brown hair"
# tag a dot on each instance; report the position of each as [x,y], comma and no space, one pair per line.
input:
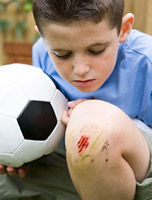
[67,11]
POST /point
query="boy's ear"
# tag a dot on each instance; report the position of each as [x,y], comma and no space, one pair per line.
[36,29]
[127,24]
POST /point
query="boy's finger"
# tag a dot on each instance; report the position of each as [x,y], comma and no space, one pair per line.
[65,117]
[22,172]
[11,171]
[2,169]
[73,104]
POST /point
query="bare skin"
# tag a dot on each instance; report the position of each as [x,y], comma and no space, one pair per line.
[105,152]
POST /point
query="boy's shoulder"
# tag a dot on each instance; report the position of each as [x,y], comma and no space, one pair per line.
[139,43]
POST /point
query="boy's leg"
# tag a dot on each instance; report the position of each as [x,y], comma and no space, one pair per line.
[101,152]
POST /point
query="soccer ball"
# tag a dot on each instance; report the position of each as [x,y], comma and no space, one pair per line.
[31,108]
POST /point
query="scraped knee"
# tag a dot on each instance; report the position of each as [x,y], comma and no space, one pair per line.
[91,125]
[93,136]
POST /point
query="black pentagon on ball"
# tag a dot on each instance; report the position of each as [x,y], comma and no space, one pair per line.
[37,120]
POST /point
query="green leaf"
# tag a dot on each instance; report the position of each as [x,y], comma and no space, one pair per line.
[28,7]
[21,26]
[4,25]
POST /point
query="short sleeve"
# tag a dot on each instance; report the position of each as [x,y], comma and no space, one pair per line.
[38,51]
[145,113]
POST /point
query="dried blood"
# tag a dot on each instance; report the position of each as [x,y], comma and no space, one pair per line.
[83,143]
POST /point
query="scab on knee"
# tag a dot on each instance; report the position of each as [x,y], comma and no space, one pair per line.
[82,143]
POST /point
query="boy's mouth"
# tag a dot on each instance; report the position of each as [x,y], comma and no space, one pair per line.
[84,83]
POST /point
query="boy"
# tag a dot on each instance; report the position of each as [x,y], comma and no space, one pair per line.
[93,54]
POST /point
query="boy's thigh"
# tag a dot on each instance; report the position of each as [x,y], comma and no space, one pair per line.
[47,179]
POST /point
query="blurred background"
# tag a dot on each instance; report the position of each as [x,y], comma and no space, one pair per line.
[17,33]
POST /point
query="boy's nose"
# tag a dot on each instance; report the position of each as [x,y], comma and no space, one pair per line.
[81,68]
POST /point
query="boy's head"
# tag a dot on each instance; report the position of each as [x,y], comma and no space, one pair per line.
[68,11]
[82,38]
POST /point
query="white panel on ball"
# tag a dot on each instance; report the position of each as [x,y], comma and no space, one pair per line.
[59,103]
[12,101]
[10,134]
[55,138]
[7,75]
[29,150]
[39,84]
[10,160]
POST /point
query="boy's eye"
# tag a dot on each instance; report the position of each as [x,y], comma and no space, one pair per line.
[63,56]
[96,52]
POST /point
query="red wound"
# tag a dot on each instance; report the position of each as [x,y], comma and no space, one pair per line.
[83,143]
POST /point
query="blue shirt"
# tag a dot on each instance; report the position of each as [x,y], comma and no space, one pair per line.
[129,86]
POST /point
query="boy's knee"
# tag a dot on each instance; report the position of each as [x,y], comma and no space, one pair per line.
[92,144]
[93,126]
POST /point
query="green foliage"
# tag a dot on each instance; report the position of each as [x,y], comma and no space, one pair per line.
[28,5]
[20,6]
[21,26]
[4,24]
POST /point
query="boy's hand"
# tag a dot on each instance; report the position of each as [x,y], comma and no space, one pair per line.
[67,113]
[21,171]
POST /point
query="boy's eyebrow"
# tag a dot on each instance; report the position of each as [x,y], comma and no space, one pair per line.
[93,45]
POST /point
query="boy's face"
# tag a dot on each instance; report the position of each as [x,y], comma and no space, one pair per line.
[84,54]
